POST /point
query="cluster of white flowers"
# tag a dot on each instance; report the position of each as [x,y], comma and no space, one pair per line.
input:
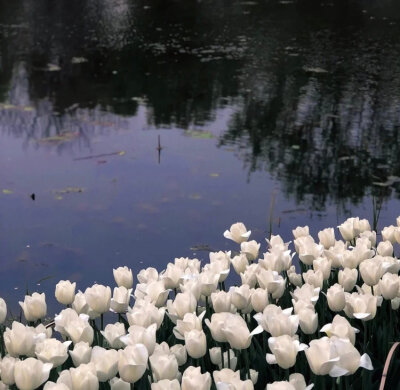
[182,329]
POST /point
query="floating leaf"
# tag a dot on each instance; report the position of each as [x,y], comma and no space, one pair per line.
[121,153]
[7,192]
[199,134]
[68,190]
[214,174]
[195,196]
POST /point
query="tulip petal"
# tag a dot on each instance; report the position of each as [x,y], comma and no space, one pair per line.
[365,362]
[326,328]
[361,316]
[271,359]
[337,372]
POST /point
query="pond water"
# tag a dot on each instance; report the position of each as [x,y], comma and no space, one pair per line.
[145,128]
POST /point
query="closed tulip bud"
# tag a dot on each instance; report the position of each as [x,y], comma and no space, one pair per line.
[79,304]
[250,249]
[30,373]
[300,305]
[336,298]
[371,271]
[295,279]
[123,277]
[192,378]
[340,328]
[140,335]
[240,296]
[237,233]
[301,231]
[180,353]
[132,362]
[221,301]
[52,351]
[249,276]
[81,353]
[119,384]
[389,286]
[348,278]
[307,249]
[189,322]
[360,306]
[164,366]
[259,299]
[335,253]
[240,263]
[324,265]
[144,314]
[65,292]
[349,229]
[171,276]
[308,320]
[284,351]
[148,275]
[20,340]
[196,343]
[112,333]
[327,237]
[3,311]
[298,382]
[208,282]
[34,306]
[223,258]
[215,326]
[385,248]
[7,366]
[84,377]
[120,299]
[388,233]
[98,298]
[315,278]
[166,384]
[237,332]
[218,268]
[106,363]
[306,292]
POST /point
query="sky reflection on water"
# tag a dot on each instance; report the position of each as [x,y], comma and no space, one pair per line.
[252,102]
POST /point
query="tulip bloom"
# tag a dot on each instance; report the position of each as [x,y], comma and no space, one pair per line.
[65,292]
[192,378]
[237,233]
[98,298]
[123,277]
[284,351]
[340,328]
[336,298]
[29,374]
[132,362]
[34,306]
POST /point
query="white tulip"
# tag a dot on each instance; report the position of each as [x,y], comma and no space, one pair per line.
[180,353]
[98,298]
[3,311]
[230,360]
[140,335]
[30,373]
[132,362]
[280,385]
[106,363]
[119,384]
[52,351]
[112,333]
[148,275]
[166,384]
[335,253]
[385,248]
[388,233]
[327,237]
[192,378]
[250,249]
[277,322]
[349,229]
[228,379]
[20,340]
[259,299]
[308,320]
[324,265]
[360,306]
[208,282]
[123,277]
[237,233]
[221,301]
[164,366]
[371,271]
[389,286]
[336,298]
[7,366]
[120,300]
[321,356]
[65,292]
[301,231]
[196,343]
[340,328]
[34,306]
[55,386]
[80,304]
[240,263]
[81,353]
[307,293]
[182,304]
[284,351]
[144,313]
[189,322]
[315,278]
[348,278]
[240,296]
[171,276]
[249,276]
[84,377]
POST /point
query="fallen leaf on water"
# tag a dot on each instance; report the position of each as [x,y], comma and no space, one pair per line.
[68,190]
[7,192]
[314,70]
[59,138]
[121,153]
[58,197]
[214,174]
[198,134]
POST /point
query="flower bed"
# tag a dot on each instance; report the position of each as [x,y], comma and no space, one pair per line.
[330,326]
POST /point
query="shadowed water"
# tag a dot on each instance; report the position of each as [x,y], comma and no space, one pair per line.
[256,103]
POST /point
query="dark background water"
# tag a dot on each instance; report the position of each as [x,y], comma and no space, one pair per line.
[294,104]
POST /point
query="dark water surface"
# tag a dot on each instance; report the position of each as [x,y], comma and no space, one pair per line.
[254,102]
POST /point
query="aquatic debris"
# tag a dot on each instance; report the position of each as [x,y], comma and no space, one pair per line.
[60,138]
[314,70]
[69,190]
[53,68]
[390,181]
[7,192]
[199,134]
[120,153]
[78,60]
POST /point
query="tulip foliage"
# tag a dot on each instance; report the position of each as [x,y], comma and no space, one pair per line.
[323,315]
